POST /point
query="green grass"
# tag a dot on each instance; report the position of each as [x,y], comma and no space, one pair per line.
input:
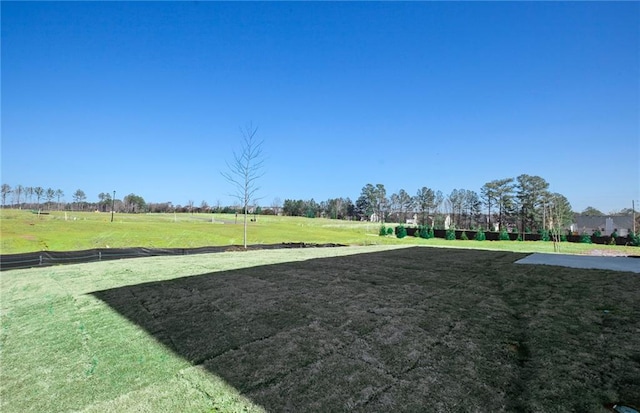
[368,329]
[23,231]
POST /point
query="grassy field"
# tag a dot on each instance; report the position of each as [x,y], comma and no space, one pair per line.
[23,231]
[369,329]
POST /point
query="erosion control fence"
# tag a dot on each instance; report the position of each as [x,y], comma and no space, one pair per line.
[47,258]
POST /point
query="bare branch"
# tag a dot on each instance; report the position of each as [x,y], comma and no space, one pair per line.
[245,170]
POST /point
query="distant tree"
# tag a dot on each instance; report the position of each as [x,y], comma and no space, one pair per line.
[190,205]
[28,193]
[311,208]
[337,208]
[134,203]
[472,207]
[79,197]
[530,191]
[405,203]
[204,206]
[39,192]
[591,211]
[293,208]
[438,200]
[455,201]
[349,208]
[59,194]
[504,199]
[488,194]
[276,205]
[50,194]
[425,200]
[365,203]
[104,201]
[381,202]
[245,170]
[17,194]
[5,191]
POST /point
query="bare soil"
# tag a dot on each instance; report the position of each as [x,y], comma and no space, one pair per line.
[416,329]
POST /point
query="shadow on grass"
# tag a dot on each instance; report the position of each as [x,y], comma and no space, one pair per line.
[415,329]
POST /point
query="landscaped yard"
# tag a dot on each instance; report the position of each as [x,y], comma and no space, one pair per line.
[341,329]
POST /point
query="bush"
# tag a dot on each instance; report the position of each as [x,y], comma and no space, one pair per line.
[634,239]
[431,234]
[504,235]
[544,235]
[450,235]
[585,239]
[597,233]
[614,234]
[426,232]
[480,235]
[383,231]
[389,231]
[464,236]
[563,238]
[401,232]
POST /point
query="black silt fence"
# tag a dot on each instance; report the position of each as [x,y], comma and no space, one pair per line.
[48,258]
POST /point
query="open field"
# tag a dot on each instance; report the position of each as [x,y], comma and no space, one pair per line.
[368,329]
[23,231]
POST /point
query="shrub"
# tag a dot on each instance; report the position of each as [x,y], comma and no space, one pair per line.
[519,238]
[563,238]
[504,235]
[401,232]
[450,234]
[597,233]
[634,239]
[383,231]
[614,234]
[431,234]
[585,238]
[389,231]
[480,235]
[464,236]
[544,235]
[425,232]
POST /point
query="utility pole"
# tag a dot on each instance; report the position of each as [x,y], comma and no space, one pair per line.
[633,208]
[113,201]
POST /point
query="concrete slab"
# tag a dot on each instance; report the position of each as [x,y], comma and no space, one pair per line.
[627,264]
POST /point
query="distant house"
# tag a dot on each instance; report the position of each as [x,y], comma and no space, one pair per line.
[606,224]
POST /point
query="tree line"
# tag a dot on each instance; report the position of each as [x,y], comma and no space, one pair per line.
[523,203]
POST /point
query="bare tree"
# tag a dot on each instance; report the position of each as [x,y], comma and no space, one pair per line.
[6,190]
[245,170]
[59,194]
[276,204]
[17,193]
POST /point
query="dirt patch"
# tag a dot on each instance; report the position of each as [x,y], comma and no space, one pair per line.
[606,253]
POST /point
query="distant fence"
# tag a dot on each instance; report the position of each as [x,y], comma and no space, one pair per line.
[48,258]
[495,236]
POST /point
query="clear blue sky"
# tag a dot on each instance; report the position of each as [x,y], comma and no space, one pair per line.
[148,98]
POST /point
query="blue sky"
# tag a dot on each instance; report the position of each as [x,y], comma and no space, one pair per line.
[148,98]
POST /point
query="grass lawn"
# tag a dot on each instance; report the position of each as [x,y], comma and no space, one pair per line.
[23,231]
[368,329]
